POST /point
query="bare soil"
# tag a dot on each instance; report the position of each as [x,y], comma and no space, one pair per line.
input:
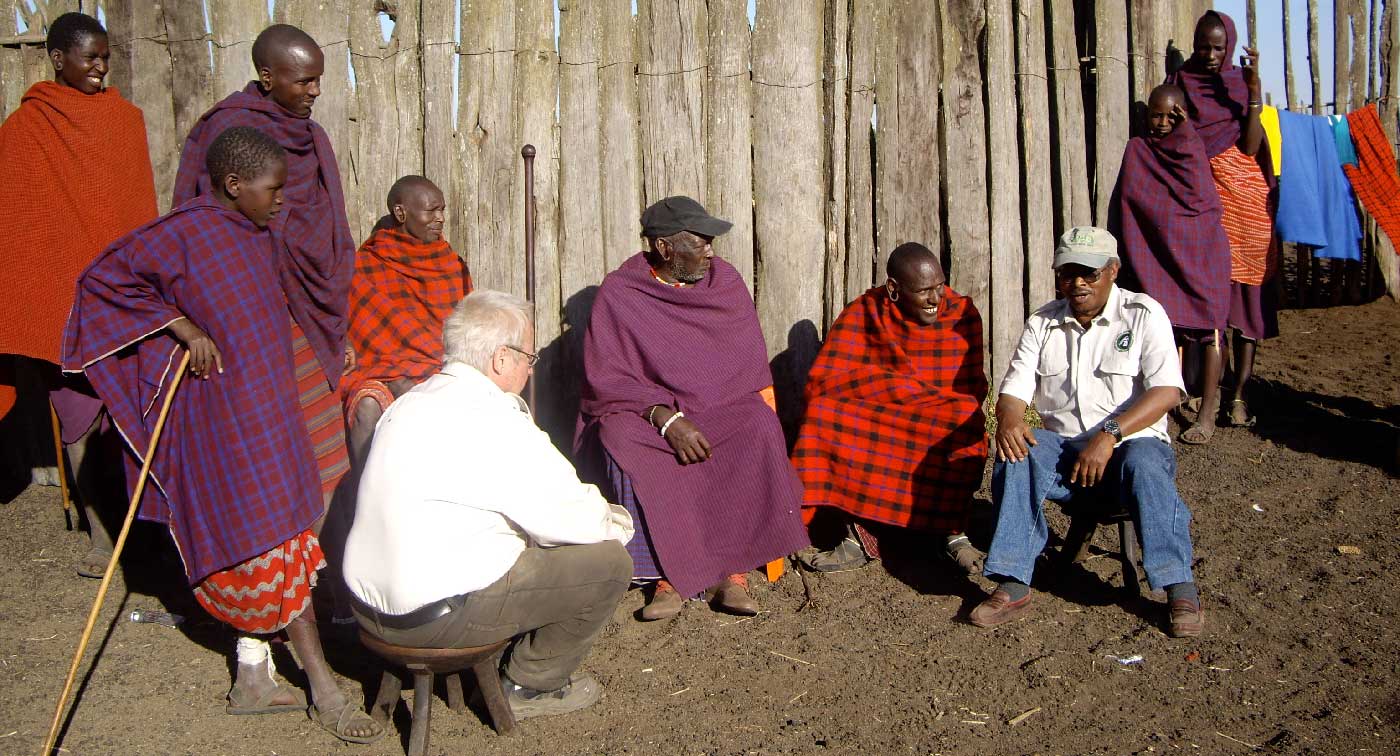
[1300,654]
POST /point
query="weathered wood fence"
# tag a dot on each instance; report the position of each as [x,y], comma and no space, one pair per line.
[829,132]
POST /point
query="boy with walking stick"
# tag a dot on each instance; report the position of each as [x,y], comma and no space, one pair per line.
[235,482]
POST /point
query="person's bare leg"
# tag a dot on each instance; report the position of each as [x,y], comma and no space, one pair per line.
[87,474]
[1244,369]
[253,679]
[1212,363]
[326,695]
[361,434]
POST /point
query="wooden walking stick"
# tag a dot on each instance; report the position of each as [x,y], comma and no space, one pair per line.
[62,466]
[528,153]
[116,552]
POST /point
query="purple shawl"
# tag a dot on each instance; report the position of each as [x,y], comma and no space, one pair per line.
[234,473]
[312,227]
[699,349]
[1167,220]
[1216,101]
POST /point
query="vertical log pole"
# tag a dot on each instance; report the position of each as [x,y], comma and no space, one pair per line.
[389,92]
[1290,85]
[672,71]
[1140,59]
[1007,246]
[1033,97]
[787,75]
[836,62]
[192,91]
[139,47]
[1110,100]
[437,55]
[907,164]
[1389,54]
[1360,61]
[1373,49]
[1252,20]
[729,132]
[1069,149]
[860,158]
[233,25]
[1341,62]
[963,134]
[1314,63]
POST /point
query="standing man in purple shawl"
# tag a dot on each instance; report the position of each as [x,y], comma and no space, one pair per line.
[1224,101]
[313,230]
[674,363]
[1174,248]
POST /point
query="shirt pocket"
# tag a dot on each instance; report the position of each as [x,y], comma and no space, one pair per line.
[1052,378]
[1119,373]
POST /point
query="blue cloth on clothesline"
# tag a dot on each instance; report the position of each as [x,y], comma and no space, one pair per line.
[1315,203]
[1341,133]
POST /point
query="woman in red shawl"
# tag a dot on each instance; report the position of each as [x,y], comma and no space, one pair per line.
[1224,102]
[75,175]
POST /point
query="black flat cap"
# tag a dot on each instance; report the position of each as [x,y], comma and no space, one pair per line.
[676,214]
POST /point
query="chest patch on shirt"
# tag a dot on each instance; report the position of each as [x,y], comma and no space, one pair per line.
[1124,341]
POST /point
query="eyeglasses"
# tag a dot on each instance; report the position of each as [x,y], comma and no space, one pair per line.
[530,357]
[1071,272]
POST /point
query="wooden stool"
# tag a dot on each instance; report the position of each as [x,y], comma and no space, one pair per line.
[425,663]
[1085,516]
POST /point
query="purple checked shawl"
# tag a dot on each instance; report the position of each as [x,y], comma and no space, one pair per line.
[312,226]
[234,473]
[1215,101]
[1170,236]
[699,349]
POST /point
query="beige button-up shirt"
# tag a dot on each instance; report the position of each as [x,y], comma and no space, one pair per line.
[1077,378]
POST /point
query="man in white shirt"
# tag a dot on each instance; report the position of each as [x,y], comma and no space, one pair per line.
[1101,368]
[472,528]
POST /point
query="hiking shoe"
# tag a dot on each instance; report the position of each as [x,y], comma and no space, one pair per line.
[999,609]
[961,552]
[848,555]
[580,692]
[1187,618]
[665,603]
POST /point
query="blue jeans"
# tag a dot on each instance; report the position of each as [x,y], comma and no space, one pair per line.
[1143,471]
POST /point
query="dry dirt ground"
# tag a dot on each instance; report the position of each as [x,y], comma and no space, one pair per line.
[1300,655]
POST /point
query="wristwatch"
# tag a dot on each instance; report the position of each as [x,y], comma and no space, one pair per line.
[1111,428]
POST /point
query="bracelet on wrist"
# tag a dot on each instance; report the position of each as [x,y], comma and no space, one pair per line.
[650,414]
[673,418]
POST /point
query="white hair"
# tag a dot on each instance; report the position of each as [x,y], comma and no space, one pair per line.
[484,321]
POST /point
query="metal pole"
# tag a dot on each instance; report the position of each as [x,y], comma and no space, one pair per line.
[528,153]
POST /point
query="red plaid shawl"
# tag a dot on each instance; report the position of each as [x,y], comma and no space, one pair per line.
[1374,178]
[894,431]
[402,291]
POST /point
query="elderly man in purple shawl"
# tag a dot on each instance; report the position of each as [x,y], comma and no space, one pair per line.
[1166,215]
[674,363]
[313,230]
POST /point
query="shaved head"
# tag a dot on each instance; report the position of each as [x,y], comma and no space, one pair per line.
[400,191]
[1166,93]
[907,258]
[277,41]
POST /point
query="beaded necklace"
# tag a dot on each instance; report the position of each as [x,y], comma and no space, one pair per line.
[660,280]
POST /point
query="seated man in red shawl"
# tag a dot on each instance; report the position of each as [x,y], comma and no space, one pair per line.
[407,280]
[240,510]
[1167,218]
[674,361]
[316,260]
[59,152]
[894,432]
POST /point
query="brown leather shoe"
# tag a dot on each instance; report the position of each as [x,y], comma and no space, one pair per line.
[999,609]
[1187,617]
[665,602]
[733,596]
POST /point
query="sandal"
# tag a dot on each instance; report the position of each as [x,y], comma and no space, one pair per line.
[1239,415]
[264,703]
[337,721]
[1197,435]
[848,555]
[960,551]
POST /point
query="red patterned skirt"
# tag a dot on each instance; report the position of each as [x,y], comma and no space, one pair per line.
[267,592]
[321,409]
[1244,201]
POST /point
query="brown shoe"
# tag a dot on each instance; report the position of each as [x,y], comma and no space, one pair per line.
[1187,617]
[733,596]
[665,602]
[999,609]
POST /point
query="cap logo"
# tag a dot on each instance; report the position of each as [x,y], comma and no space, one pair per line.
[1124,341]
[1081,236]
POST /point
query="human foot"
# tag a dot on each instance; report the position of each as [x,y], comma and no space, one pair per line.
[732,595]
[278,698]
[961,552]
[346,721]
[1198,434]
[665,603]
[848,555]
[94,563]
[1239,415]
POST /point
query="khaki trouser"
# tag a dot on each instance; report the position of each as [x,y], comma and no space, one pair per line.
[553,601]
